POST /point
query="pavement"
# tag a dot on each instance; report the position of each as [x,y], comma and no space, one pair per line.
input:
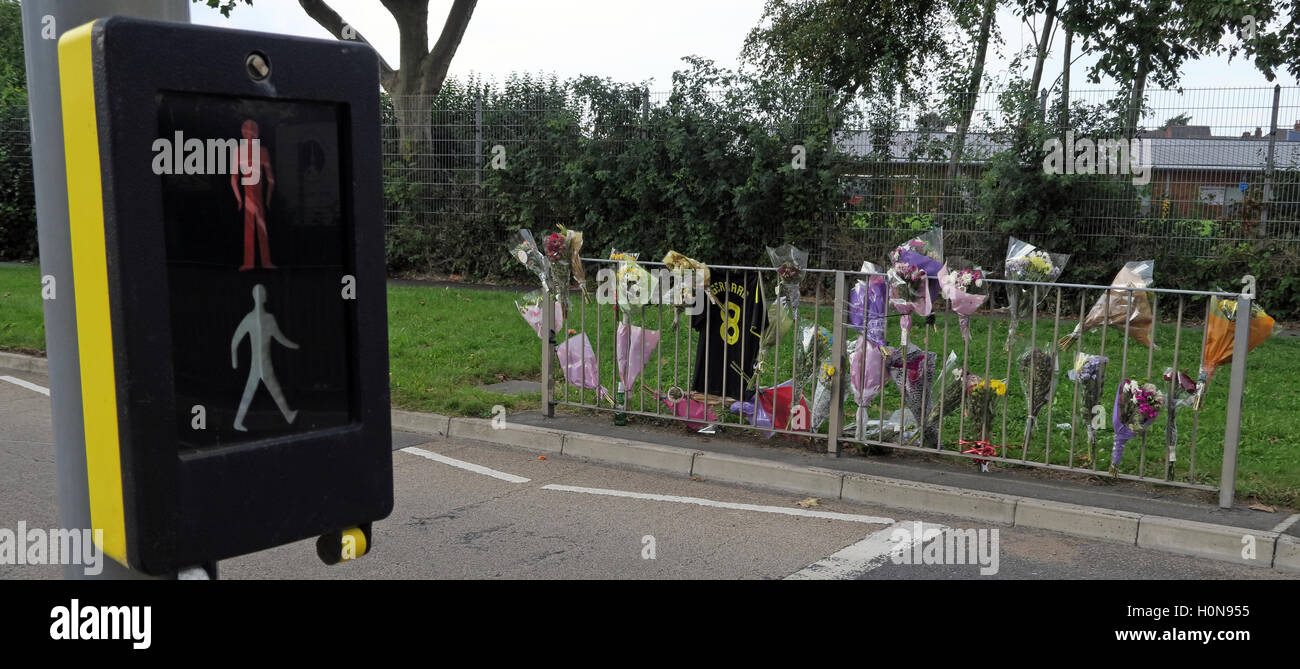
[564,504]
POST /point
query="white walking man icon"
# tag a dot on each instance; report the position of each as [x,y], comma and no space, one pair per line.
[260,328]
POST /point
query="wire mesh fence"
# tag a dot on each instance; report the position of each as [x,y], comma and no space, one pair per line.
[1202,166]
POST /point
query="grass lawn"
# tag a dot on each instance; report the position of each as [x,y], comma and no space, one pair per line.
[447,342]
[22,317]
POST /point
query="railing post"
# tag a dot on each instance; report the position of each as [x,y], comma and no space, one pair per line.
[841,367]
[1236,387]
[548,353]
[478,139]
[1268,165]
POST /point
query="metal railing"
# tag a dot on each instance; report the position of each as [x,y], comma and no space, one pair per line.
[893,418]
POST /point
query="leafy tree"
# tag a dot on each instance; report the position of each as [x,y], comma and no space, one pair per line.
[867,47]
[421,70]
[1136,42]
[17,200]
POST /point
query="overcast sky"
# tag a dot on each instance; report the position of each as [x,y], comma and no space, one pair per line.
[640,40]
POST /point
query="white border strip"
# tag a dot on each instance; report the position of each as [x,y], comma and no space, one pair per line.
[467,466]
[26,384]
[1286,524]
[860,558]
[724,505]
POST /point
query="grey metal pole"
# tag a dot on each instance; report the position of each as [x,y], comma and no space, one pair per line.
[837,359]
[1236,387]
[548,353]
[1268,164]
[43,22]
[478,139]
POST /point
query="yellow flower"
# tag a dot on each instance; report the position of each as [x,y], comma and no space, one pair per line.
[1040,265]
[998,387]
[828,370]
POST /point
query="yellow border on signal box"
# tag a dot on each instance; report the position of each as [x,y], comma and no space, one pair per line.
[90,278]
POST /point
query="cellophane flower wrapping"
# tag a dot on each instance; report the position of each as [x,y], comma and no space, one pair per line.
[1137,404]
[866,375]
[780,321]
[690,282]
[790,264]
[633,347]
[827,376]
[962,284]
[912,371]
[914,276]
[573,242]
[579,364]
[530,255]
[1181,393]
[981,401]
[635,287]
[1038,369]
[1026,262]
[1221,337]
[556,249]
[1117,306]
[530,307]
[951,385]
[1089,372]
[867,303]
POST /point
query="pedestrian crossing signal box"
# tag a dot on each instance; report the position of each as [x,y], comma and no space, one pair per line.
[226,220]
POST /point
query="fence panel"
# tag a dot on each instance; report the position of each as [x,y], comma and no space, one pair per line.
[1041,393]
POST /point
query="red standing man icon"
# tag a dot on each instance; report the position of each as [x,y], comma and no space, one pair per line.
[252,161]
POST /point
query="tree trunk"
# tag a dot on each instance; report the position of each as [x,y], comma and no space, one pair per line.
[1065,80]
[1043,42]
[1137,96]
[971,95]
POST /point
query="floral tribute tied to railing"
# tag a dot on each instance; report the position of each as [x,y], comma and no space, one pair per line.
[763,349]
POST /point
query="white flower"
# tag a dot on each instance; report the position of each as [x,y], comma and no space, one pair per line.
[979,283]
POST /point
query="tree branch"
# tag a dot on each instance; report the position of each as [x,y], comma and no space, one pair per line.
[434,68]
[330,20]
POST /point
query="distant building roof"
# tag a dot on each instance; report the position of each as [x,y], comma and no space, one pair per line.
[1167,153]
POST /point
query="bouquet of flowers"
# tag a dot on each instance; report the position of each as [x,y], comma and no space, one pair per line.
[813,345]
[634,286]
[1026,262]
[557,256]
[1179,384]
[981,394]
[530,307]
[772,408]
[790,264]
[867,304]
[573,247]
[964,289]
[914,277]
[1137,404]
[1221,335]
[1133,306]
[953,383]
[821,407]
[580,367]
[1089,372]
[1038,378]
[526,252]
[912,370]
[690,280]
[866,376]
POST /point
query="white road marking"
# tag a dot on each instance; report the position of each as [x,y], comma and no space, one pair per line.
[1286,524]
[26,384]
[468,466]
[853,518]
[860,558]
